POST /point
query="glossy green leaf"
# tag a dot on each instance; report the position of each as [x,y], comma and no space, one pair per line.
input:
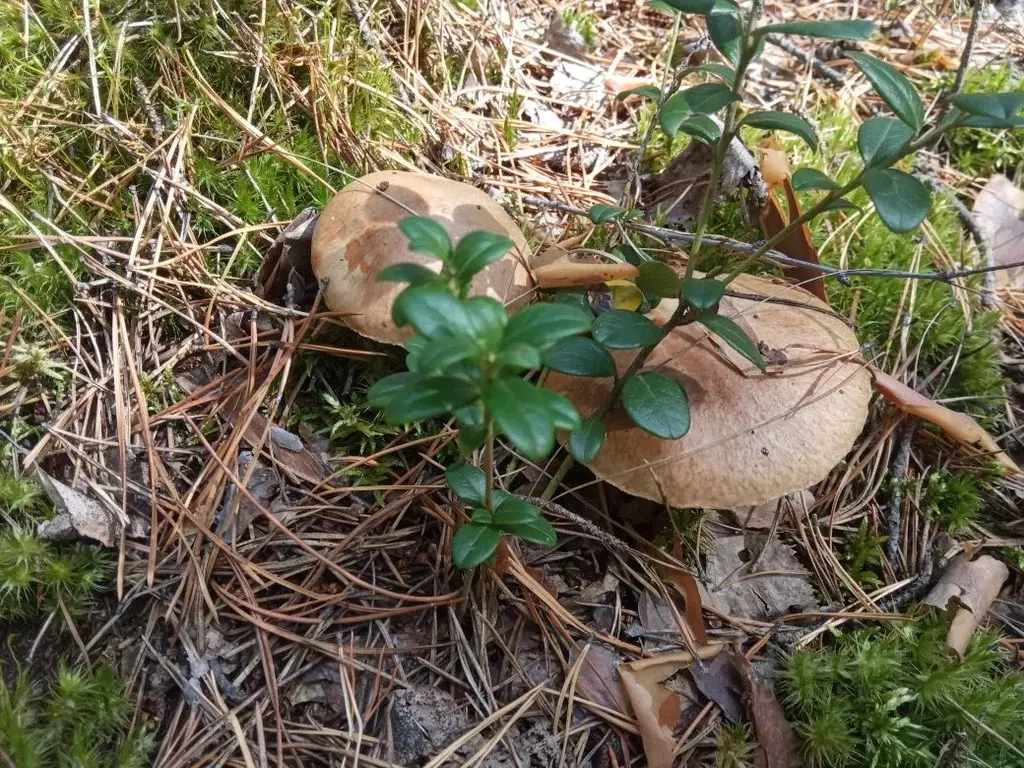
[703,293]
[651,92]
[406,272]
[728,331]
[701,127]
[523,414]
[486,318]
[414,348]
[902,202]
[894,88]
[520,518]
[842,29]
[702,7]
[477,250]
[470,438]
[481,516]
[519,356]
[703,99]
[602,213]
[438,355]
[543,324]
[661,5]
[563,413]
[783,121]
[429,396]
[472,544]
[657,405]
[726,33]
[621,329]
[383,391]
[658,279]
[881,139]
[431,310]
[585,442]
[809,178]
[426,236]
[723,72]
[977,121]
[995,106]
[842,205]
[579,356]
[468,483]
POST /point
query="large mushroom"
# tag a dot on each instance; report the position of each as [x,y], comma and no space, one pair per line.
[753,436]
[357,236]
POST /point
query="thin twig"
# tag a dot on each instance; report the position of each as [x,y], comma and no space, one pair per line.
[898,473]
[965,56]
[836,77]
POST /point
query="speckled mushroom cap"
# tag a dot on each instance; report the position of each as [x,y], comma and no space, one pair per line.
[357,236]
[753,436]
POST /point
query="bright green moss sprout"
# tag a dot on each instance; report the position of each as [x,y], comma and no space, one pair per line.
[895,697]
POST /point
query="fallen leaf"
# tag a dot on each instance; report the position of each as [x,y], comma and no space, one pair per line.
[286,273]
[959,426]
[599,678]
[264,484]
[657,709]
[777,742]
[290,452]
[764,515]
[798,244]
[79,516]
[690,592]
[719,681]
[999,214]
[968,588]
[567,274]
[752,577]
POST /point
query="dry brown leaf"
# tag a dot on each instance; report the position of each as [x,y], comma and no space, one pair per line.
[720,682]
[657,708]
[289,450]
[690,591]
[778,744]
[599,678]
[566,274]
[79,516]
[764,515]
[798,244]
[968,587]
[752,577]
[999,214]
[959,426]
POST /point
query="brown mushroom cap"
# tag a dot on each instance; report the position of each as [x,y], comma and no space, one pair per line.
[753,437]
[357,236]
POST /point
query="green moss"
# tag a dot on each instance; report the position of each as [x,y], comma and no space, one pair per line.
[894,696]
[734,749]
[36,575]
[81,720]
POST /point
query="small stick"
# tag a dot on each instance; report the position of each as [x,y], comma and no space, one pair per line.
[898,471]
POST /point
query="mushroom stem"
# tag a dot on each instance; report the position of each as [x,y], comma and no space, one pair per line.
[680,317]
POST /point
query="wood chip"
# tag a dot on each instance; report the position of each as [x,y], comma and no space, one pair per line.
[968,588]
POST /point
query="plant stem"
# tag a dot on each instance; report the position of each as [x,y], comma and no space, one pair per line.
[729,128]
[489,463]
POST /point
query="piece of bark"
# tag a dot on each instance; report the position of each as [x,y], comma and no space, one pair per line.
[968,588]
[79,516]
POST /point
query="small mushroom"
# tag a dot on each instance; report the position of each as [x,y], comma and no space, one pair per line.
[753,436]
[357,236]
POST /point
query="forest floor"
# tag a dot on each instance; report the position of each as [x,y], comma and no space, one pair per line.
[265,564]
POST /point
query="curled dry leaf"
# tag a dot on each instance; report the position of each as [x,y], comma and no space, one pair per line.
[999,214]
[968,588]
[720,682]
[778,744]
[776,172]
[959,426]
[690,592]
[79,516]
[657,708]
[599,677]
